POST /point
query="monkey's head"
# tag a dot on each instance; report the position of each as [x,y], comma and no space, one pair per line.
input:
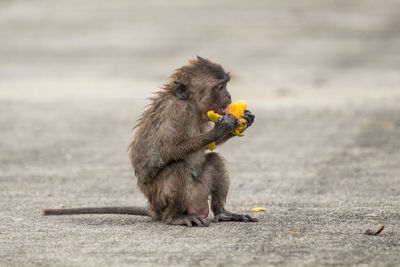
[202,83]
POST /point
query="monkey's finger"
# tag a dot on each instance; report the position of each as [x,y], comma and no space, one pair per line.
[235,217]
[234,120]
[222,217]
[249,115]
[227,117]
[197,221]
[249,120]
[188,222]
[237,122]
[230,118]
[216,218]
[243,218]
[248,112]
[239,217]
[204,221]
[251,219]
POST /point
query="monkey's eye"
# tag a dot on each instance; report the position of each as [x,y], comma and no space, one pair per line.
[220,87]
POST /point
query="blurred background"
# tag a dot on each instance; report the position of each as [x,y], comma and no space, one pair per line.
[322,78]
[268,45]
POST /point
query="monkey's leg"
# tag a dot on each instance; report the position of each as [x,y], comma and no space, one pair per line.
[171,196]
[215,168]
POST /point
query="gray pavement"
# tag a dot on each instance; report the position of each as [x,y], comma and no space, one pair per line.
[323,155]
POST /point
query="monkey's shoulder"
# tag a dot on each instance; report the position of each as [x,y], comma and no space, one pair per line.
[167,119]
[176,112]
[168,108]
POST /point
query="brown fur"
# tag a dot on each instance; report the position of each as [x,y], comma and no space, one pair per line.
[168,152]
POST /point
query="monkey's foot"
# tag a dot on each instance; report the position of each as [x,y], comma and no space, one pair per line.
[190,220]
[229,216]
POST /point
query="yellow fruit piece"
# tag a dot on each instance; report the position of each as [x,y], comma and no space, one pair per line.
[237,108]
[257,209]
[242,126]
[212,146]
[213,116]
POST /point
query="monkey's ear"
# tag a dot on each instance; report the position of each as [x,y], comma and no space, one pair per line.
[181,90]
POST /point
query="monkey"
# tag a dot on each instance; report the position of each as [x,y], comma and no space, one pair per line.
[168,151]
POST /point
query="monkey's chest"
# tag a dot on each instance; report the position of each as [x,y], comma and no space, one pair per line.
[196,159]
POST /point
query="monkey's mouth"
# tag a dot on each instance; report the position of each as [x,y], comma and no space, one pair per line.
[223,110]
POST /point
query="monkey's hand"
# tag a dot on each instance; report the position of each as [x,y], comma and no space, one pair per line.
[225,125]
[249,117]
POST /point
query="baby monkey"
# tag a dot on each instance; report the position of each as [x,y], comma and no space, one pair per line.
[168,152]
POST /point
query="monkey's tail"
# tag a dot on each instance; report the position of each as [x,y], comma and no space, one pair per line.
[102,210]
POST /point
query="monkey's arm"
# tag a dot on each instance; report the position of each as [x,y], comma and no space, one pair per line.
[179,149]
[189,145]
[224,138]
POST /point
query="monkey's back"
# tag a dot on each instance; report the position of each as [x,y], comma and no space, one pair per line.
[144,148]
[159,126]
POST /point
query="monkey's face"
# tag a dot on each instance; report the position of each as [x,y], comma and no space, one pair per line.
[203,83]
[216,97]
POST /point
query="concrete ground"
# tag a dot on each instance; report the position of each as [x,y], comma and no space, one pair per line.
[322,157]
